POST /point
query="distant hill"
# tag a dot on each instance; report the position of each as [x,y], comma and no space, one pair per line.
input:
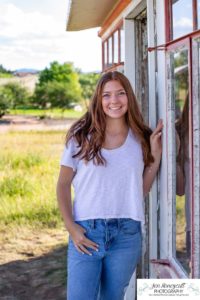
[24,70]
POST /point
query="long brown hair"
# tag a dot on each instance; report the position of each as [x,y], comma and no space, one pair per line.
[89,130]
[182,128]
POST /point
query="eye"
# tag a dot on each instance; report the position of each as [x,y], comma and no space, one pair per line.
[105,95]
[121,93]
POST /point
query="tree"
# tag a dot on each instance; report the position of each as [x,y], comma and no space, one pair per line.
[4,72]
[19,95]
[88,83]
[58,85]
[11,96]
[55,94]
[5,100]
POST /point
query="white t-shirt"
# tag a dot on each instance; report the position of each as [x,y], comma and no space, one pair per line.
[111,191]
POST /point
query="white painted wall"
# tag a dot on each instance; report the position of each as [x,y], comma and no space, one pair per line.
[162,99]
[153,196]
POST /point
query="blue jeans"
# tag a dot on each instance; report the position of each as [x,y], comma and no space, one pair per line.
[106,274]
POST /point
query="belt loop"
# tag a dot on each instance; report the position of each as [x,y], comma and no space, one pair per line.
[92,223]
[119,223]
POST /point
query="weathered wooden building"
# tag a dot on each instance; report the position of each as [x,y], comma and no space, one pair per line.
[156,43]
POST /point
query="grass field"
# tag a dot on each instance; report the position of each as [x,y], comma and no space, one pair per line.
[33,239]
[52,113]
[29,166]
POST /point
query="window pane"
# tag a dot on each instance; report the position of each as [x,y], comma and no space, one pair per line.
[116,47]
[105,54]
[110,51]
[122,45]
[182,17]
[183,201]
[198,12]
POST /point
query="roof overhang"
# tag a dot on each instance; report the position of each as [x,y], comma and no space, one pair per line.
[88,13]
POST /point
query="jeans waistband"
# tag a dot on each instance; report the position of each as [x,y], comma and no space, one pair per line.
[112,221]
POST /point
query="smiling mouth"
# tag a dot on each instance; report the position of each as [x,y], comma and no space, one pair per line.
[115,108]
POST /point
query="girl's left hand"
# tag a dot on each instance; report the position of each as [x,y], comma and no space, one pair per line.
[155,141]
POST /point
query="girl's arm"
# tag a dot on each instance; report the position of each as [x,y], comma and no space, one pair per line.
[156,151]
[149,176]
[76,231]
[64,196]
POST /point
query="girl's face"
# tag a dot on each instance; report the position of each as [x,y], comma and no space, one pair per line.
[114,100]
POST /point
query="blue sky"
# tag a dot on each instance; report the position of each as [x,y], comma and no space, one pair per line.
[33,33]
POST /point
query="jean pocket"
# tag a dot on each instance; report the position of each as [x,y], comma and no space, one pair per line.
[130,226]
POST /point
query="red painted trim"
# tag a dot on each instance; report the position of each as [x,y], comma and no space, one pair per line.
[115,28]
[112,17]
[162,267]
[174,43]
[177,43]
[194,11]
[102,55]
[168,20]
[114,67]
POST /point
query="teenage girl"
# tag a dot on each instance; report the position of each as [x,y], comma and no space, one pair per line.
[111,157]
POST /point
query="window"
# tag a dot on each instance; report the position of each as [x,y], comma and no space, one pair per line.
[122,45]
[182,165]
[183,17]
[116,46]
[183,146]
[110,56]
[113,49]
[105,51]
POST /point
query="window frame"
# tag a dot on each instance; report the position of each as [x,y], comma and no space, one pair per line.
[195,44]
[171,149]
[112,65]
[190,42]
[193,40]
[169,19]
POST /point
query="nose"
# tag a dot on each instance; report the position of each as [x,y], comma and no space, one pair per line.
[114,98]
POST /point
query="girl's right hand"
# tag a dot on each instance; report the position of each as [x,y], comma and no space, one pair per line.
[80,241]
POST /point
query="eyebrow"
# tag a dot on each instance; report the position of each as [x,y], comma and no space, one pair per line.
[115,91]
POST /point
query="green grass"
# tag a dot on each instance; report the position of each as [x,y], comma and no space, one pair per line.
[180,207]
[29,166]
[6,75]
[51,113]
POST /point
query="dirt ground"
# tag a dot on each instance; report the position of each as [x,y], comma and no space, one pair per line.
[26,123]
[32,262]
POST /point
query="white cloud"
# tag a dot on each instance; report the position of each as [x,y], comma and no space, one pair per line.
[16,23]
[183,22]
[34,39]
